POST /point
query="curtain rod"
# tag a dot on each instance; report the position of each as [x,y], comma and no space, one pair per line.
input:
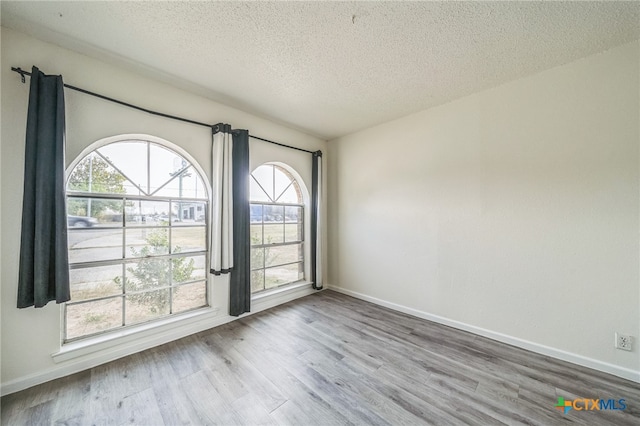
[161,114]
[287,146]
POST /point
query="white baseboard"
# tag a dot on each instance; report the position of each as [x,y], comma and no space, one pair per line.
[70,361]
[625,373]
[70,365]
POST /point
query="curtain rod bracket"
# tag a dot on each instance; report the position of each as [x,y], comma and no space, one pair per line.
[21,72]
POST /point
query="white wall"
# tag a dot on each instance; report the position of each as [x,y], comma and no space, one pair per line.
[30,336]
[513,212]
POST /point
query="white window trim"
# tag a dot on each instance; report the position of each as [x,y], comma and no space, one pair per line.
[306,247]
[112,341]
[101,342]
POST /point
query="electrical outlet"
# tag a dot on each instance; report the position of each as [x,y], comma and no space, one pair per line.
[623,342]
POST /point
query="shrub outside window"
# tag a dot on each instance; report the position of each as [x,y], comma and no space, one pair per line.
[137,231]
[277,228]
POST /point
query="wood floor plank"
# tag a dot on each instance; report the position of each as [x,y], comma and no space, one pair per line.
[251,411]
[270,361]
[334,394]
[388,401]
[211,407]
[141,408]
[173,404]
[252,378]
[297,413]
[73,400]
[326,359]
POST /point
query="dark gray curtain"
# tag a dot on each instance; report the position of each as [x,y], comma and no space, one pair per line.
[315,210]
[240,280]
[44,264]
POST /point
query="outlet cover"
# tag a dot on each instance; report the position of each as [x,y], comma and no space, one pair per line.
[623,341]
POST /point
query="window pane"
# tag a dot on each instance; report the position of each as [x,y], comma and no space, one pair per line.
[280,275]
[273,213]
[257,193]
[281,182]
[147,274]
[146,306]
[256,235]
[91,317]
[292,214]
[279,255]
[150,213]
[293,232]
[291,195]
[257,258]
[92,283]
[88,245]
[184,269]
[102,212]
[164,164]
[189,296]
[147,242]
[188,213]
[264,176]
[94,174]
[131,159]
[187,184]
[188,239]
[256,213]
[273,234]
[192,186]
[257,280]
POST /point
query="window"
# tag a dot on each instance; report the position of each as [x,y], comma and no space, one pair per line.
[137,231]
[277,228]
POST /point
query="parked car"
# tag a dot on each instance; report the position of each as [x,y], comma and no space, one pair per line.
[81,221]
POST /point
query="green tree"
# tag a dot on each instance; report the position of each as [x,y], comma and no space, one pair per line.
[151,273]
[94,174]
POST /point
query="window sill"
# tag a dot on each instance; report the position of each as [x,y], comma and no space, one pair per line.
[108,347]
[270,298]
[114,341]
[279,290]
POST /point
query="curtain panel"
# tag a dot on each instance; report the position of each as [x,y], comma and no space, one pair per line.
[316,229]
[44,264]
[230,243]
[221,250]
[240,280]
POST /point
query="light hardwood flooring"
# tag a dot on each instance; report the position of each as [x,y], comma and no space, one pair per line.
[326,359]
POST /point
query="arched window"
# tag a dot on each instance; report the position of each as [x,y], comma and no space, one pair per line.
[137,231]
[277,228]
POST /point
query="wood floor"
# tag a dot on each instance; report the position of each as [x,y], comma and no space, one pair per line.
[322,360]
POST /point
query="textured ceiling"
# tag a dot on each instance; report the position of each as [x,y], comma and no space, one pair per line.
[331,68]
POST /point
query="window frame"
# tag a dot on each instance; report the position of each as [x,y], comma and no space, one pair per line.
[301,242]
[123,225]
